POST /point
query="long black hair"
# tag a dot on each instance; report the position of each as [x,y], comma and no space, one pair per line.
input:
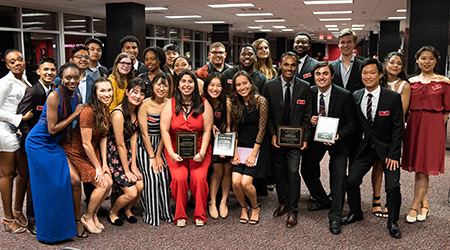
[435,54]
[66,106]
[222,107]
[136,83]
[164,78]
[401,75]
[238,106]
[196,106]
[99,110]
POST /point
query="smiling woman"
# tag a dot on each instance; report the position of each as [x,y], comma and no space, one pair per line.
[122,73]
[264,59]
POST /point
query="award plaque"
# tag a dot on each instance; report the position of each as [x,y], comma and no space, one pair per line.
[289,136]
[187,144]
[224,144]
[326,129]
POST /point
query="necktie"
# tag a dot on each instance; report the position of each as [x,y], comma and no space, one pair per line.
[287,104]
[322,106]
[369,107]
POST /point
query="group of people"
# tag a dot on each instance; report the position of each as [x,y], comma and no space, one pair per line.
[116,131]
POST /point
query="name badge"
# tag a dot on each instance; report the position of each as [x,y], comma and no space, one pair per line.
[302,102]
[39,108]
[218,114]
[151,119]
[230,81]
[136,123]
[307,75]
[437,87]
[383,113]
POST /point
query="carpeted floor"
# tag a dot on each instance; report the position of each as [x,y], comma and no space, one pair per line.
[310,233]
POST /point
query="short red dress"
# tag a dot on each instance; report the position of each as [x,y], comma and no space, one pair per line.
[424,141]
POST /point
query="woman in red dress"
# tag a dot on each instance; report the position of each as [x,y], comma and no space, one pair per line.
[188,112]
[424,143]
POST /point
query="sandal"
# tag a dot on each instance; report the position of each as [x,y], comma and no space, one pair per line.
[253,221]
[83,234]
[423,217]
[375,206]
[243,220]
[9,228]
[385,212]
[19,219]
[83,221]
[411,219]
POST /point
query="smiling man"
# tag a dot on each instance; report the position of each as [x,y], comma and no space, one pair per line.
[80,56]
[290,104]
[217,55]
[302,44]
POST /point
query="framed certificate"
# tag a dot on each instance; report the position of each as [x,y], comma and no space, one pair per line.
[326,129]
[187,144]
[224,144]
[289,136]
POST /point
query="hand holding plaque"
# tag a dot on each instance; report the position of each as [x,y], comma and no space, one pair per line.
[326,129]
[187,144]
[224,144]
[289,136]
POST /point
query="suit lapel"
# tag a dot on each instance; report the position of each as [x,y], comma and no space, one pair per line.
[304,66]
[279,92]
[314,91]
[332,101]
[380,103]
[337,73]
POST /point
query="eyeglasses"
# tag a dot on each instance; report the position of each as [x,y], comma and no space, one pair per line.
[81,56]
[217,52]
[125,64]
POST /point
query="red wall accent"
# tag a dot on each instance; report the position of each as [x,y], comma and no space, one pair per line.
[41,47]
[333,52]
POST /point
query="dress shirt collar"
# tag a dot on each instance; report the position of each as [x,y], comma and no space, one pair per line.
[375,93]
[326,93]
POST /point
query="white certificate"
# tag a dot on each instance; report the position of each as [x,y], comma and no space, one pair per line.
[224,144]
[326,129]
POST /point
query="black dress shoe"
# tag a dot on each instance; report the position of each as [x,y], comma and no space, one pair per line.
[117,222]
[316,206]
[350,218]
[335,227]
[291,220]
[394,230]
[132,219]
[32,229]
[281,210]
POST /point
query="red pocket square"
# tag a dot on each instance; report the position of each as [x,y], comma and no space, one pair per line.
[301,102]
[307,75]
[383,113]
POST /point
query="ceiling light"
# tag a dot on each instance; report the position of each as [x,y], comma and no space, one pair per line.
[209,22]
[332,12]
[331,26]
[35,28]
[254,27]
[265,30]
[401,10]
[254,14]
[96,20]
[333,29]
[156,8]
[35,14]
[77,21]
[334,19]
[287,29]
[181,17]
[74,27]
[231,5]
[357,28]
[328,2]
[396,17]
[358,25]
[279,27]
[270,21]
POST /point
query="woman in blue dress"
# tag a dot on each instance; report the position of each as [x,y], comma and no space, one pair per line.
[48,164]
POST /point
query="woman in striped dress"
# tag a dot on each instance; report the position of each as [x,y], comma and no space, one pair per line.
[151,161]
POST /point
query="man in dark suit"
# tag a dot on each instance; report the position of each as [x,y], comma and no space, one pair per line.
[302,44]
[290,104]
[346,68]
[331,101]
[172,51]
[380,114]
[130,45]
[34,100]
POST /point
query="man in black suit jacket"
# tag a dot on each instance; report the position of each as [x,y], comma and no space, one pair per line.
[130,45]
[293,112]
[346,68]
[302,44]
[331,101]
[34,100]
[380,114]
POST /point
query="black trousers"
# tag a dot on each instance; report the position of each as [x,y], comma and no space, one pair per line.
[285,167]
[359,168]
[338,169]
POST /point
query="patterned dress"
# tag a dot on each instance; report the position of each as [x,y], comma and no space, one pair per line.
[156,194]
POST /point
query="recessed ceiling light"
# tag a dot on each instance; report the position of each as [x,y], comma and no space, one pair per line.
[96,20]
[358,25]
[254,27]
[333,29]
[265,30]
[74,27]
[231,5]
[35,14]
[33,23]
[279,27]
[397,17]
[77,21]
[401,10]
[254,14]
[334,19]
[331,26]
[155,8]
[182,17]
[270,21]
[209,22]
[357,28]
[332,12]
[328,2]
[287,29]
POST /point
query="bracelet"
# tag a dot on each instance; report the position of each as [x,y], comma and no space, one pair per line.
[201,156]
[152,157]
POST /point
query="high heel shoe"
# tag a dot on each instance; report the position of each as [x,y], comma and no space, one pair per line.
[8,228]
[83,234]
[83,221]
[252,221]
[243,220]
[213,213]
[411,219]
[423,217]
[376,206]
[20,218]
